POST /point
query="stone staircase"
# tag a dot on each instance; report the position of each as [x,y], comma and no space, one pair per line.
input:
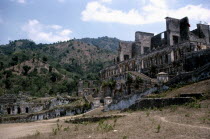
[142,76]
[199,74]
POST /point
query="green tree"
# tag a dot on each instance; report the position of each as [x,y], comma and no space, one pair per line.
[8,74]
[26,69]
[153,70]
[54,77]
[112,84]
[1,65]
[129,81]
[8,84]
[138,81]
[44,59]
[15,59]
[1,91]
[50,69]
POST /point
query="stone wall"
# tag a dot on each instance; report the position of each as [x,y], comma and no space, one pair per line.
[199,74]
[184,29]
[167,49]
[125,50]
[159,102]
[93,119]
[144,38]
[27,105]
[47,114]
[173,30]
[159,40]
[204,29]
[127,101]
[169,59]
[196,59]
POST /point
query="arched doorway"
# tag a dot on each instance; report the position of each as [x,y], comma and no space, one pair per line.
[27,109]
[9,110]
[19,110]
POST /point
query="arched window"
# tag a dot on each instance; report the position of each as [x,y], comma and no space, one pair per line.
[8,110]
[19,110]
[27,109]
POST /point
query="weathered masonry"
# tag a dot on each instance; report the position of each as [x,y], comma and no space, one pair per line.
[23,108]
[169,51]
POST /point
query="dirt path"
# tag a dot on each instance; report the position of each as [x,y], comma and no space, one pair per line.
[163,119]
[17,130]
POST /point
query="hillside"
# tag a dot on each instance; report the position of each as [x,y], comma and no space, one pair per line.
[103,42]
[49,68]
[178,122]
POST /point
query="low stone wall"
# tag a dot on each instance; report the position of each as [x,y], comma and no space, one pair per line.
[194,95]
[93,119]
[160,102]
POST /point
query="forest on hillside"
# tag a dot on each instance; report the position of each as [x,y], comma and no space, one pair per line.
[39,69]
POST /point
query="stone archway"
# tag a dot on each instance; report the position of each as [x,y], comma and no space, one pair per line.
[9,110]
[19,110]
[27,109]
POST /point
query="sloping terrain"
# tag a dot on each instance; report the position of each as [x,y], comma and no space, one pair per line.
[190,121]
[49,68]
[103,42]
[198,87]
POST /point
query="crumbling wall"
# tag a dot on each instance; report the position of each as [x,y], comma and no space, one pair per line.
[196,59]
[144,38]
[204,29]
[136,49]
[159,40]
[30,106]
[125,50]
[184,29]
[49,114]
[173,30]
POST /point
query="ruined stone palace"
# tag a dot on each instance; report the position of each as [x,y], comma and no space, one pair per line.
[173,51]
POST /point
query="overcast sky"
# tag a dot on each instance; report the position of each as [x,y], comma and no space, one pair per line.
[46,21]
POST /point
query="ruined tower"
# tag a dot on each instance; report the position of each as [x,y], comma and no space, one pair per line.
[125,50]
[142,42]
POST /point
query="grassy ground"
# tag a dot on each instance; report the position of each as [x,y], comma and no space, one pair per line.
[199,87]
[187,122]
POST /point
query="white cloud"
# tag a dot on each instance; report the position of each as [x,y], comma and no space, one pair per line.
[21,1]
[152,11]
[65,32]
[55,27]
[106,1]
[61,1]
[45,33]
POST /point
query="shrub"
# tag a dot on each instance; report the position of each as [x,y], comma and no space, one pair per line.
[104,126]
[57,129]
[37,133]
[194,105]
[66,128]
[26,69]
[158,128]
